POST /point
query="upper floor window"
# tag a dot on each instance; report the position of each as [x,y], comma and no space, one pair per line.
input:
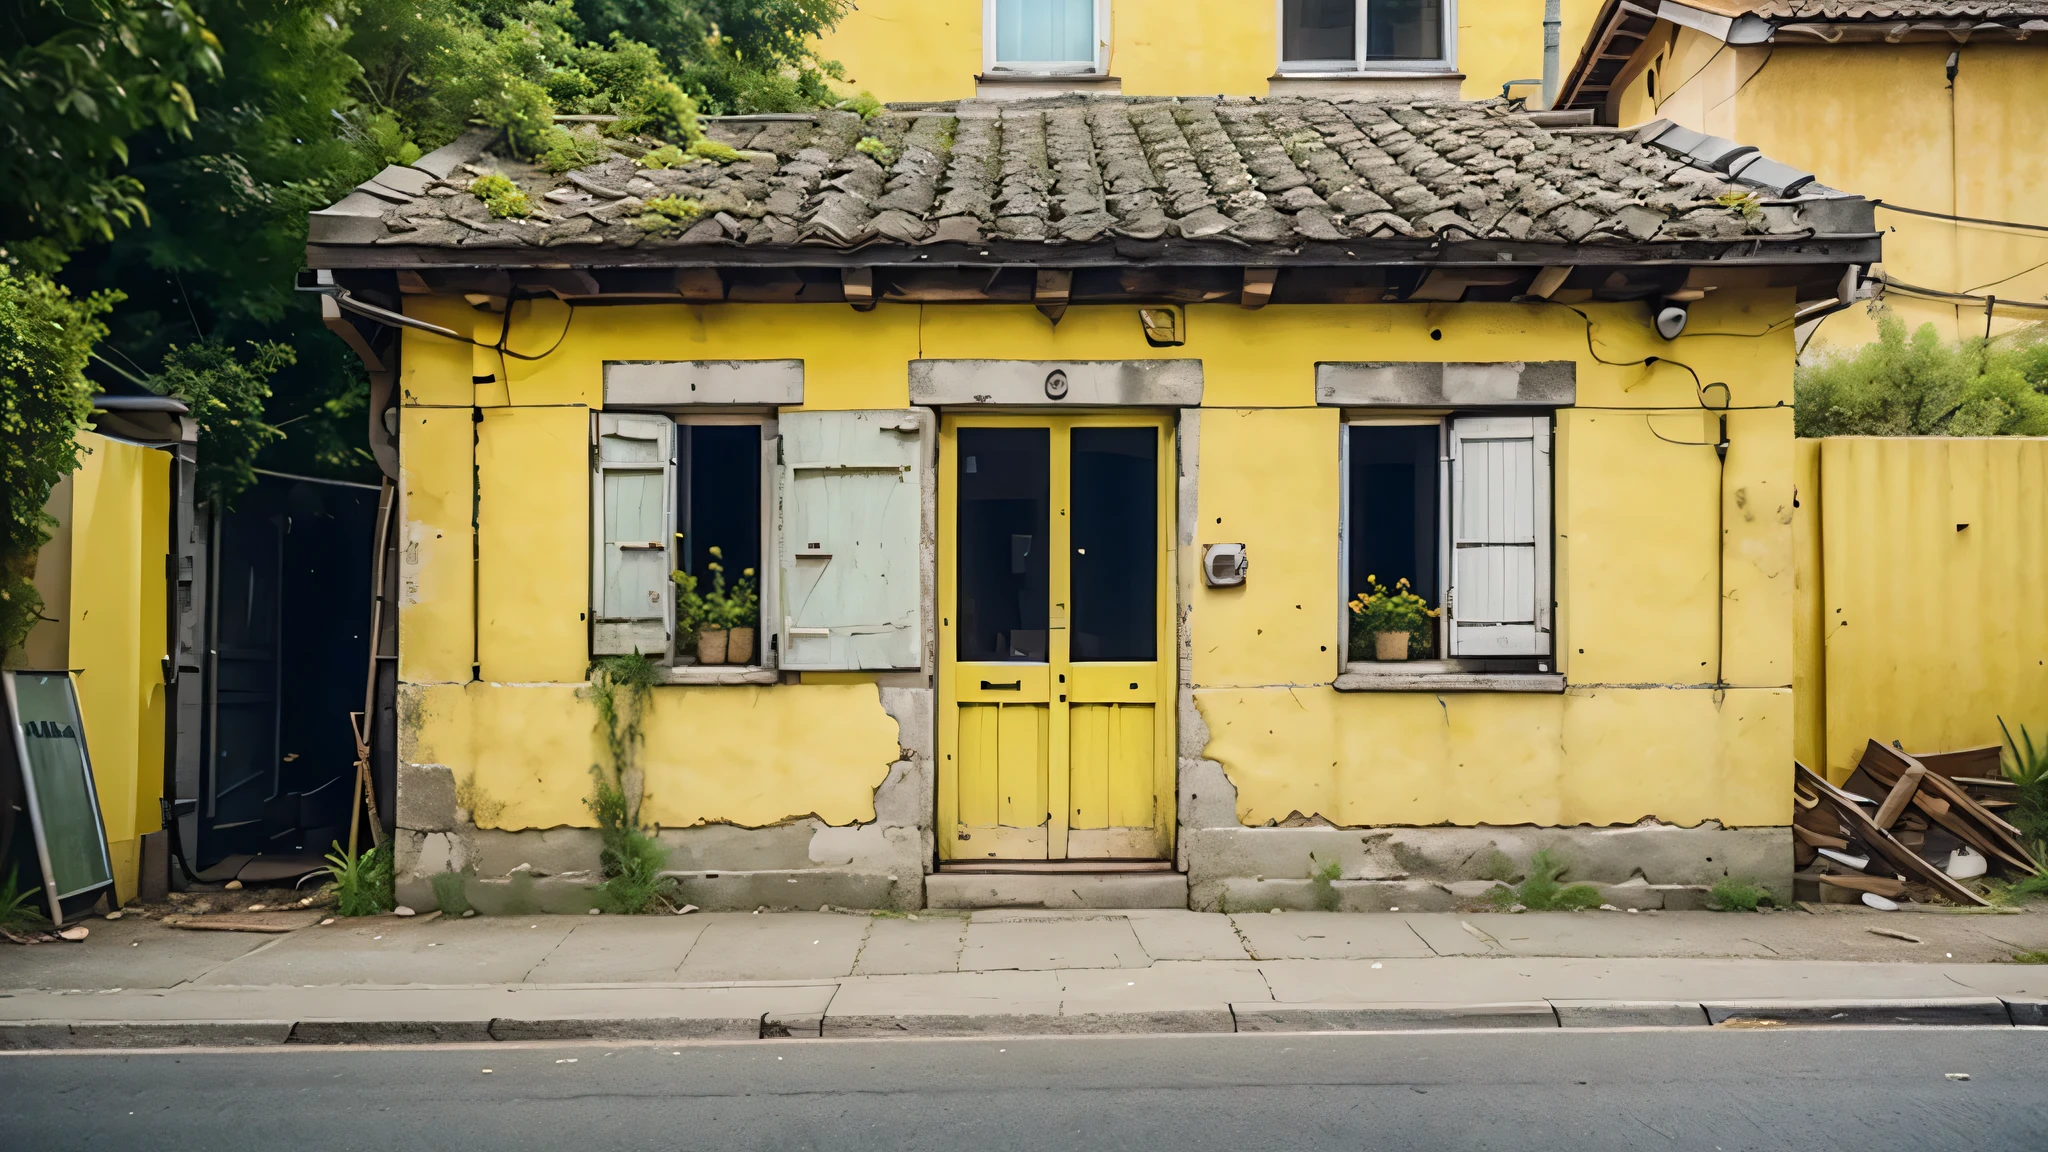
[1354,35]
[1043,35]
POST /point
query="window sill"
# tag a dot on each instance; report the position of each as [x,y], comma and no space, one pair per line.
[1438,676]
[1421,82]
[716,674]
[1019,85]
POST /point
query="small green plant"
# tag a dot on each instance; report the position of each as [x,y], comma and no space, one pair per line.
[1745,204]
[873,146]
[2012,893]
[667,213]
[16,913]
[1322,879]
[2038,956]
[864,105]
[1731,895]
[566,151]
[2027,767]
[501,196]
[449,896]
[1541,891]
[720,606]
[361,883]
[714,151]
[1380,609]
[666,156]
[630,859]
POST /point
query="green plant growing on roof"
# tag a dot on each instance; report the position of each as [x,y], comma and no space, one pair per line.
[873,146]
[666,156]
[362,883]
[864,105]
[1731,895]
[1745,204]
[501,196]
[1542,891]
[668,213]
[714,151]
[1322,879]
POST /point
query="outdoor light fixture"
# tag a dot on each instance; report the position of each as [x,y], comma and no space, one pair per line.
[1671,320]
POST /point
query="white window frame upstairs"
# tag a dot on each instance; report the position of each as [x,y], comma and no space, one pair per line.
[1358,63]
[1098,66]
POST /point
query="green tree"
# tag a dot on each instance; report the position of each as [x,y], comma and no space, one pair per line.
[1923,386]
[227,397]
[46,336]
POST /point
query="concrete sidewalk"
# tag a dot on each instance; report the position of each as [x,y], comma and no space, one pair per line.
[738,975]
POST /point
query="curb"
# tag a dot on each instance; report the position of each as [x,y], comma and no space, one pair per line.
[1987,1011]
[1391,1017]
[110,1035]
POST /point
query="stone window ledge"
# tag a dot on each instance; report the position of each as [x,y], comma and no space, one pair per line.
[716,674]
[1433,676]
[1353,85]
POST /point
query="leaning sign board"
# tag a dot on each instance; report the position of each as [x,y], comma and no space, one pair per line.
[47,739]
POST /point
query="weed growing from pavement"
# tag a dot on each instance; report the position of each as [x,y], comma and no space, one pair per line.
[2039,956]
[1731,895]
[632,860]
[15,912]
[1321,878]
[361,883]
[1542,891]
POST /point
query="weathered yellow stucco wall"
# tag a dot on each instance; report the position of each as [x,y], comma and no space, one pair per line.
[102,582]
[932,49]
[1643,733]
[1880,120]
[1921,630]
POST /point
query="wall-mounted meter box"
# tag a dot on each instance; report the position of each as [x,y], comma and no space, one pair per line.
[1223,565]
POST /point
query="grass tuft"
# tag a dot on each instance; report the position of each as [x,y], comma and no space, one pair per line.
[1321,880]
[1731,895]
[362,884]
[1542,890]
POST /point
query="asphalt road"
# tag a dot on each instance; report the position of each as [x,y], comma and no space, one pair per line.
[1861,1089]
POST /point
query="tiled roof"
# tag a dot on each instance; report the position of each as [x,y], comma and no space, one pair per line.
[1268,174]
[1845,10]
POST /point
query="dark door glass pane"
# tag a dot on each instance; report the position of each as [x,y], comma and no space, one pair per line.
[1394,507]
[1005,484]
[1116,544]
[1319,30]
[1404,30]
[719,472]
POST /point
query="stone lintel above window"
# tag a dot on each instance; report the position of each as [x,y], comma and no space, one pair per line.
[1431,384]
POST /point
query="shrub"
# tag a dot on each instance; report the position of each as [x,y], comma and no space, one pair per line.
[1921,386]
[226,396]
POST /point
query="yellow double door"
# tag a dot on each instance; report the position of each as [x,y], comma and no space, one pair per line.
[1056,638]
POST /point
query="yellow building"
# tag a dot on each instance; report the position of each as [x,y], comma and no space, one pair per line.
[1933,109]
[907,50]
[1060,433]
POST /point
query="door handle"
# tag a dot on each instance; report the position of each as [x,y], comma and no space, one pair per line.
[1012,686]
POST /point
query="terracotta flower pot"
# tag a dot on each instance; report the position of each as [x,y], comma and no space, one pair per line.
[1390,645]
[711,645]
[739,646]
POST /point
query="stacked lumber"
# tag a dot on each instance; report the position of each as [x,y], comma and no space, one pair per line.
[1899,825]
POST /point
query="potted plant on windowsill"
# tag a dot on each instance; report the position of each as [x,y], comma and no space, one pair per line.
[721,620]
[1390,623]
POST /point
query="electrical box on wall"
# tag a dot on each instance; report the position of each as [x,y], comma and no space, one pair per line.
[1224,565]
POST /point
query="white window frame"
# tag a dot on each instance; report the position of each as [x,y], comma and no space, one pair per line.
[1447,663]
[1358,64]
[764,666]
[991,66]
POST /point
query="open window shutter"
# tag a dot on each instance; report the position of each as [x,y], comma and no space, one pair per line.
[632,491]
[1500,536]
[851,518]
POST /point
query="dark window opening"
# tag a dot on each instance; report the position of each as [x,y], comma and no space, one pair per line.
[1005,486]
[1115,566]
[1395,508]
[1319,30]
[718,502]
[1404,30]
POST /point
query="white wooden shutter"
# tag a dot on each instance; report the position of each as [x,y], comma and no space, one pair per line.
[632,496]
[1499,525]
[851,524]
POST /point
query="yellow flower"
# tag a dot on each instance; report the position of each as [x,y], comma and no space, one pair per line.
[717,551]
[746,571]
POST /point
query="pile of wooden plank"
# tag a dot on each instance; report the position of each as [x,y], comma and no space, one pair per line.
[1895,827]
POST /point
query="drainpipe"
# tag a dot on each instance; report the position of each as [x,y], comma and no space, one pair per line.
[1553,23]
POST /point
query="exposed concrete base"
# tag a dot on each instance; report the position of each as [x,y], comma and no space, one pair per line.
[806,888]
[1058,890]
[1428,869]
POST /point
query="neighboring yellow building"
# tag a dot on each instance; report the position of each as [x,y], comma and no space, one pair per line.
[1935,109]
[1060,433]
[904,50]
